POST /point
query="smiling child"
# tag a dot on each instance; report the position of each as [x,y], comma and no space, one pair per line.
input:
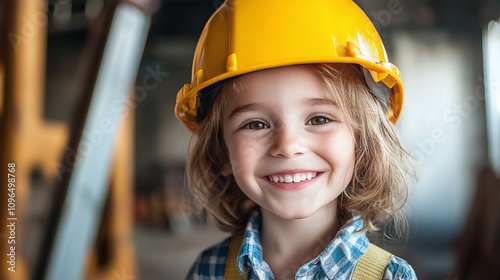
[294,151]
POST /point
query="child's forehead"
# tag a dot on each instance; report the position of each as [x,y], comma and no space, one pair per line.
[293,78]
[290,73]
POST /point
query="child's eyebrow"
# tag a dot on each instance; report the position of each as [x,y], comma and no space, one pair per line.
[246,108]
[320,101]
[257,106]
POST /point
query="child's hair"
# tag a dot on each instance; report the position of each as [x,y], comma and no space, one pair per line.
[378,188]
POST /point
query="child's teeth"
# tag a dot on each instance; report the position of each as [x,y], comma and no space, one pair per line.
[292,178]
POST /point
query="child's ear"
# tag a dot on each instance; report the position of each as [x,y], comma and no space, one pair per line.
[226,169]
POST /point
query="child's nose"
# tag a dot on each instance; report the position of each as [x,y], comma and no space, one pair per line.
[288,143]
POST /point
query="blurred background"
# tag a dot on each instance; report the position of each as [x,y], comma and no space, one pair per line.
[148,230]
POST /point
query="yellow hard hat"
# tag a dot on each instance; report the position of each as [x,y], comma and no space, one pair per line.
[243,36]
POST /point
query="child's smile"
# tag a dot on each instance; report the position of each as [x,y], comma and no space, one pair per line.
[292,177]
[292,180]
[289,147]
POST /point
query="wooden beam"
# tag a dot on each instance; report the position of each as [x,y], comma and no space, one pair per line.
[27,139]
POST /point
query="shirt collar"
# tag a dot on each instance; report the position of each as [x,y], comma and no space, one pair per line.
[345,249]
[251,251]
[339,256]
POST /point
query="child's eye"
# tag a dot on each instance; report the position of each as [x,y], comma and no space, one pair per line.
[318,120]
[256,125]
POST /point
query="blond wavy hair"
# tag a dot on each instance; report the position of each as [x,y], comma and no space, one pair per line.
[382,169]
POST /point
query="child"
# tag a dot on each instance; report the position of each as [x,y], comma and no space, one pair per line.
[292,105]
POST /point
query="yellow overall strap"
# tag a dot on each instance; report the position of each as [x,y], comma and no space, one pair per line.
[231,272]
[371,266]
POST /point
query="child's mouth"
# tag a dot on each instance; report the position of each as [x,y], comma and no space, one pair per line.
[291,178]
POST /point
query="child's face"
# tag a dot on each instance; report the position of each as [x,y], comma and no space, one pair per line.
[284,126]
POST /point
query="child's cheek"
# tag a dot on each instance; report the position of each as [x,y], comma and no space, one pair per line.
[242,153]
[338,146]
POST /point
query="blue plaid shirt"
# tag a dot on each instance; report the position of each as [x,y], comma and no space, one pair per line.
[337,261]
